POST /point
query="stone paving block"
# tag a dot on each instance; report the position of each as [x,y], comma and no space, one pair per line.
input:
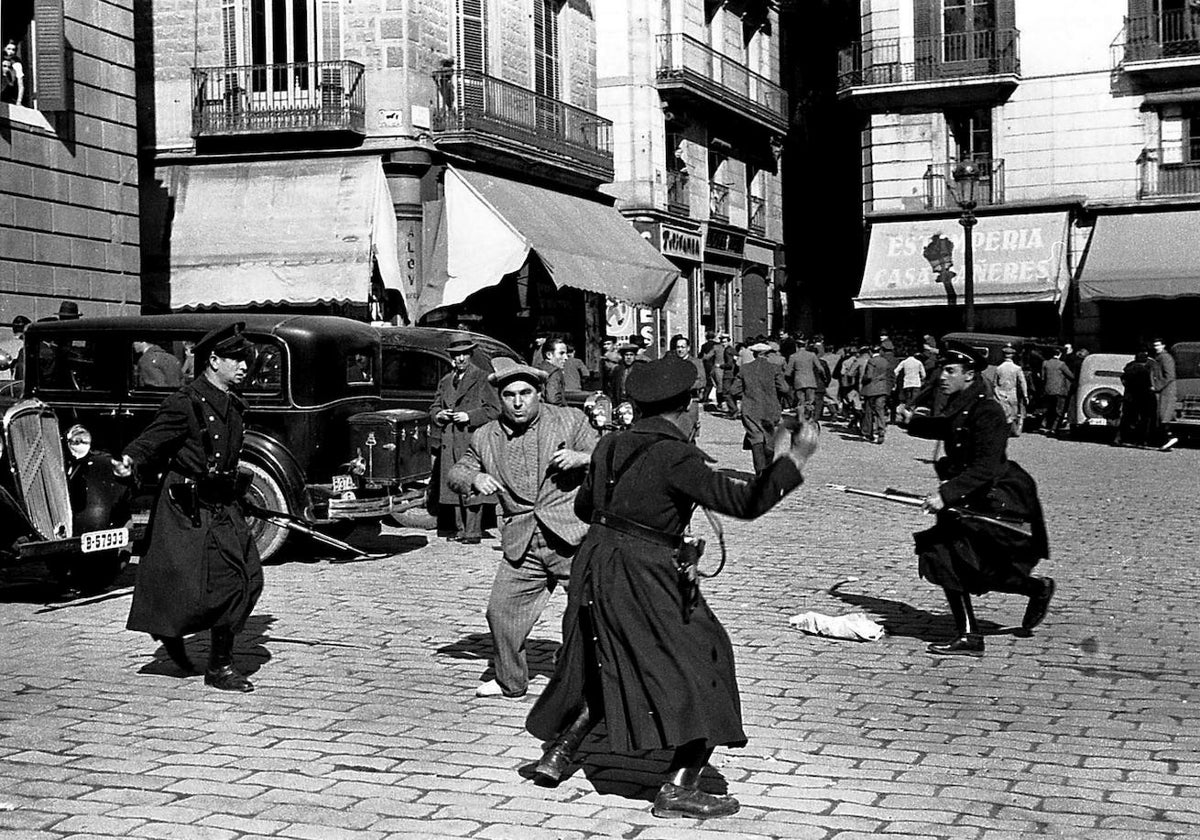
[97,824]
[174,831]
[426,828]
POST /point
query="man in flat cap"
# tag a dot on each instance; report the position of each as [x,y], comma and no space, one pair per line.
[532,458]
[464,401]
[628,351]
[641,648]
[760,385]
[964,553]
[202,570]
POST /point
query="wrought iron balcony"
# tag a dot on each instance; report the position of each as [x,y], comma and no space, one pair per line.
[272,98]
[989,189]
[691,66]
[757,215]
[477,109]
[678,200]
[957,68]
[1162,49]
[718,202]
[1157,179]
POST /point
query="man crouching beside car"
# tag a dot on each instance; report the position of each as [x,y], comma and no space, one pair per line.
[201,570]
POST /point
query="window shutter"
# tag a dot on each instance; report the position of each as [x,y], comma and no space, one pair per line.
[229,32]
[53,91]
[545,45]
[1172,136]
[472,36]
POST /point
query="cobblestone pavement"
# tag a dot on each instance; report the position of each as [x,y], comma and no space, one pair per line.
[364,724]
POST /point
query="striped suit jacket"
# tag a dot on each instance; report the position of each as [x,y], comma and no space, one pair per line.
[553,503]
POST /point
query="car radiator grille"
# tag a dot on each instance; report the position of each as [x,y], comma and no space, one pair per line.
[36,455]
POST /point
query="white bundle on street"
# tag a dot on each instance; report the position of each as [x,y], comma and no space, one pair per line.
[856,627]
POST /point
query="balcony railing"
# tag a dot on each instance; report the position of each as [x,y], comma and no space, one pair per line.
[1169,34]
[989,189]
[474,102]
[1165,179]
[959,55]
[686,60]
[757,222]
[718,202]
[678,200]
[272,98]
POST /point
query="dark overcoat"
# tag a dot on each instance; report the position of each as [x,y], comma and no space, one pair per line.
[479,400]
[964,554]
[194,577]
[661,681]
[759,384]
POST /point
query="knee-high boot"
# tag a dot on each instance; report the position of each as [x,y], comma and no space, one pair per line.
[680,795]
[559,756]
[221,673]
[969,641]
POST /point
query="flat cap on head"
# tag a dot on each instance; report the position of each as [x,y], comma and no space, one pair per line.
[505,370]
[461,344]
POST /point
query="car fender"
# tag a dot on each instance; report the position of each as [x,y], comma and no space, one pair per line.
[278,459]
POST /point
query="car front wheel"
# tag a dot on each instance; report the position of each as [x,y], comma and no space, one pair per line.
[266,492]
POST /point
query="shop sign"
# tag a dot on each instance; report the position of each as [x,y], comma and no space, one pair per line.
[680,243]
[726,241]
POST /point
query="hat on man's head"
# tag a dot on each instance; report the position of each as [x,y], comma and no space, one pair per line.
[958,353]
[68,310]
[226,342]
[505,370]
[1008,350]
[627,347]
[760,347]
[660,381]
[461,344]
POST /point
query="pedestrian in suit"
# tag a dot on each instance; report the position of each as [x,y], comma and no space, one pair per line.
[1162,374]
[629,358]
[805,375]
[966,556]
[532,458]
[641,647]
[464,401]
[201,570]
[759,385]
[553,360]
[878,379]
[1056,384]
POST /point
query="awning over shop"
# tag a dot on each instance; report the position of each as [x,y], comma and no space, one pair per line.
[1143,255]
[294,231]
[490,225]
[1018,258]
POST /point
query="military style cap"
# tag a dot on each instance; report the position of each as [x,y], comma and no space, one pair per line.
[661,380]
[461,344]
[958,353]
[505,370]
[226,342]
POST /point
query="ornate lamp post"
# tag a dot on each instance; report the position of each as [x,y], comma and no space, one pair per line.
[966,176]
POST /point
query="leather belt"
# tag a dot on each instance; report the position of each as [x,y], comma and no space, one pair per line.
[635,529]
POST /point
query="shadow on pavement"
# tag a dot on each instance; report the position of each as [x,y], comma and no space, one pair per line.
[539,653]
[901,619]
[249,651]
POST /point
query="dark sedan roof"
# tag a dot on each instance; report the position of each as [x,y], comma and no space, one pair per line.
[439,338]
[296,326]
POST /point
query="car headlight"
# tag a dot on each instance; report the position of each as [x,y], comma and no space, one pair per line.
[79,441]
[1102,403]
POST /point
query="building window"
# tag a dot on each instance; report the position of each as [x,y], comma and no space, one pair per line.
[969,134]
[968,29]
[1191,129]
[545,48]
[1180,135]
[34,73]
[471,47]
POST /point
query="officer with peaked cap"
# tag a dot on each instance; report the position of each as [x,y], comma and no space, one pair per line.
[641,648]
[966,555]
[202,569]
[464,401]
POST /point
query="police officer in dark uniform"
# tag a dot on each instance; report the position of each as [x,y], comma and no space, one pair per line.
[994,552]
[201,570]
[641,648]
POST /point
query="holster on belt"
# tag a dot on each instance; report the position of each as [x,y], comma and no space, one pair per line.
[185,497]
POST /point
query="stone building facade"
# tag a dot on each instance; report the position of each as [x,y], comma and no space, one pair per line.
[68,163]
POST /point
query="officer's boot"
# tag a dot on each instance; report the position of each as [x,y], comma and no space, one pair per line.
[680,795]
[176,649]
[1039,590]
[221,673]
[969,641]
[557,759]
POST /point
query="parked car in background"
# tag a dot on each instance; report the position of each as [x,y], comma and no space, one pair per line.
[415,359]
[310,382]
[1096,406]
[1187,389]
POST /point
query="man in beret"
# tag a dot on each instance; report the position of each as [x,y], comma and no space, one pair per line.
[464,401]
[641,648]
[532,458]
[760,385]
[202,570]
[967,555]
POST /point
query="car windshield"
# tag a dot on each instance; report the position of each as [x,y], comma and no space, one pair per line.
[1187,362]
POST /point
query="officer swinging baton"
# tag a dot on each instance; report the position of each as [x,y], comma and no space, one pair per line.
[286,520]
[903,497]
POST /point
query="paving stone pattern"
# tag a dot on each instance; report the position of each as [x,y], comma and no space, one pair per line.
[364,724]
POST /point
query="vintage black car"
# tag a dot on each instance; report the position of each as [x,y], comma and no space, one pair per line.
[313,388]
[415,359]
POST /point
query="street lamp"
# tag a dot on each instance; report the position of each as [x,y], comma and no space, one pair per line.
[966,176]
